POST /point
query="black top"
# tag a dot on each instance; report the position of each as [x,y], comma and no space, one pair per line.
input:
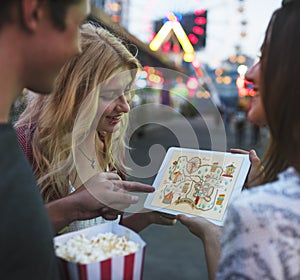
[26,236]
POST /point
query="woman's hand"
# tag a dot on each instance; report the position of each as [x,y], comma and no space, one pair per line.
[255,173]
[109,191]
[159,218]
[145,217]
[200,227]
[210,235]
[103,195]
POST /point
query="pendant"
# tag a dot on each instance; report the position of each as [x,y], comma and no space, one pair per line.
[93,164]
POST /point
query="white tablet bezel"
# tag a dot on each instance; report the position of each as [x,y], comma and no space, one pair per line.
[244,169]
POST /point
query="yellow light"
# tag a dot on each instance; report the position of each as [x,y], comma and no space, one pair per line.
[188,57]
[240,82]
[219,72]
[151,77]
[241,59]
[227,80]
[184,41]
[115,7]
[171,17]
[151,70]
[154,78]
[206,94]
[160,36]
[182,38]
[219,80]
[203,94]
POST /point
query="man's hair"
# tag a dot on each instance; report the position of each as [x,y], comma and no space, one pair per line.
[57,11]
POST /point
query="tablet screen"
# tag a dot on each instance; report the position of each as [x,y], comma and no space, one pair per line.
[198,182]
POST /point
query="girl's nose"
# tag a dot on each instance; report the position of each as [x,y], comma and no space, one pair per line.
[252,72]
[122,104]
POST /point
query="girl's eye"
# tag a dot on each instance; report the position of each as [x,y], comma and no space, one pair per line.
[114,94]
[128,93]
[107,96]
[259,55]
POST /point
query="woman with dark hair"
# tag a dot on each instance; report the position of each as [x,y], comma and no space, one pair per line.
[260,238]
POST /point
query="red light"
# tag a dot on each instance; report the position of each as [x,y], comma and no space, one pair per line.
[176,48]
[199,12]
[193,39]
[192,83]
[166,47]
[199,72]
[196,63]
[191,93]
[151,36]
[198,30]
[200,20]
[115,18]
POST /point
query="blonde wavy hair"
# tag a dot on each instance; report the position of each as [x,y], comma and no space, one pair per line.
[52,117]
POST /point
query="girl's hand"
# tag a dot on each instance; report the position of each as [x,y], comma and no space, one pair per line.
[159,218]
[255,173]
[145,217]
[200,227]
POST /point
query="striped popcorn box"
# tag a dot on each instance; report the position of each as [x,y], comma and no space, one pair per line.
[125,267]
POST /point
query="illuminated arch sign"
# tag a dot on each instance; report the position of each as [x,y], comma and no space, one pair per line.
[173,23]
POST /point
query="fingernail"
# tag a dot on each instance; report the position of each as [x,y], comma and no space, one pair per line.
[174,221]
[134,198]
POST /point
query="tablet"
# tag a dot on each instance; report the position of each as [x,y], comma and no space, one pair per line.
[198,183]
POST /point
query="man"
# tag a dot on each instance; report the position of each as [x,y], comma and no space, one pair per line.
[34,44]
[36,39]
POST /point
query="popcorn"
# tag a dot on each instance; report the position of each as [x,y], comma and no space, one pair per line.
[82,249]
[106,251]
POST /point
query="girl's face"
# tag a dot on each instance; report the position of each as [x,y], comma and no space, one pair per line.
[256,112]
[113,101]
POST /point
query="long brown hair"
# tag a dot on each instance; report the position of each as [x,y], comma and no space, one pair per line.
[281,89]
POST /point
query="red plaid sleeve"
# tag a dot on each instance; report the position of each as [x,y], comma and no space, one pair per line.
[24,134]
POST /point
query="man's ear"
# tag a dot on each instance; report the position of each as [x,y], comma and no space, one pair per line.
[31,12]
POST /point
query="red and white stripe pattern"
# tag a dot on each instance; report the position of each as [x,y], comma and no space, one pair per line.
[128,267]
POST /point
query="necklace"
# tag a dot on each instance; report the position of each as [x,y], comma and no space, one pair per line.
[92,160]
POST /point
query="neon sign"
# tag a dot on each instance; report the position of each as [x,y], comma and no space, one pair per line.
[173,23]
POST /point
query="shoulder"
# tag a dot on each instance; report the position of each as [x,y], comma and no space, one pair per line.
[271,204]
[260,231]
[282,192]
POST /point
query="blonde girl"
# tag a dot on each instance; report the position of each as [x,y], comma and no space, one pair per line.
[82,124]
